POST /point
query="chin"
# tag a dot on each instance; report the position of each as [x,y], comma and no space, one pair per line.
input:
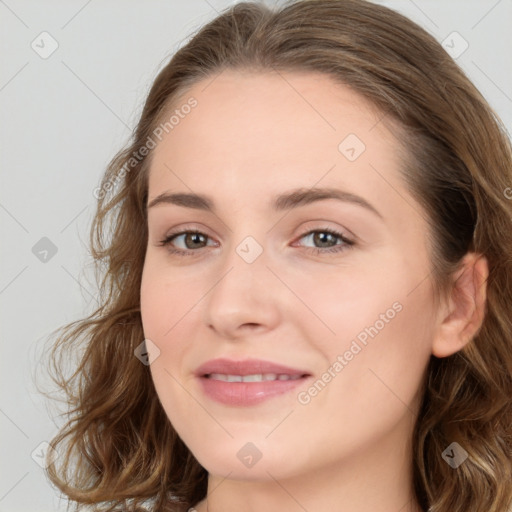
[262,470]
[244,457]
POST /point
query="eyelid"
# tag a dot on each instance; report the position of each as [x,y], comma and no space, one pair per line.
[322,224]
[346,233]
[346,242]
[183,230]
[187,228]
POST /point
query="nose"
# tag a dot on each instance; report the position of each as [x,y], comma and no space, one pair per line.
[244,299]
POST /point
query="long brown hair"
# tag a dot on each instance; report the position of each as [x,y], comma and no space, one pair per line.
[118,448]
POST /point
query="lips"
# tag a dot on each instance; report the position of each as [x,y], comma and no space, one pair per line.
[249,382]
[247,367]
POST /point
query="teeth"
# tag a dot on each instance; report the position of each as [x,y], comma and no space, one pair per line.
[258,377]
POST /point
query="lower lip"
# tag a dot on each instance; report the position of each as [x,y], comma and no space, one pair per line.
[247,393]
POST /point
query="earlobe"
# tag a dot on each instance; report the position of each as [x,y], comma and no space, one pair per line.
[464,310]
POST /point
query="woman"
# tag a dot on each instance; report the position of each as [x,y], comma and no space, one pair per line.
[307,291]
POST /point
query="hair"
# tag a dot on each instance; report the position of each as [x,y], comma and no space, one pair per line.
[118,449]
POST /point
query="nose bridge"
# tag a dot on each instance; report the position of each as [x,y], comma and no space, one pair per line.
[243,292]
[244,265]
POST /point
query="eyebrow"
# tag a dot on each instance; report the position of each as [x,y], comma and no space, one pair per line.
[286,201]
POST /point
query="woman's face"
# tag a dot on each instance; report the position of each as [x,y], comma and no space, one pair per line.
[335,288]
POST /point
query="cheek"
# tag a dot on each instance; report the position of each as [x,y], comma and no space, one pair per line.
[170,312]
[165,298]
[377,365]
[379,357]
[382,332]
[163,304]
[350,301]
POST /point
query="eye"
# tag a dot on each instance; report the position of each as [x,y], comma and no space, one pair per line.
[192,239]
[328,240]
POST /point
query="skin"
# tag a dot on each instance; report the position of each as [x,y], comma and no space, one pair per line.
[253,136]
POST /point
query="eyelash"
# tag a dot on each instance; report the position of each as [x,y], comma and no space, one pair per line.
[345,245]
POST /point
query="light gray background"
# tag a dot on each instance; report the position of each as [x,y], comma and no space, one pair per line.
[64,117]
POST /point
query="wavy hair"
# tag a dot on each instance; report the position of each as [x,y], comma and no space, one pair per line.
[117,448]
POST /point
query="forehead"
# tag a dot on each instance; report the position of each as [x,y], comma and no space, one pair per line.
[257,131]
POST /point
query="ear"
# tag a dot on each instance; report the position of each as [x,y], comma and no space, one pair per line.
[463,312]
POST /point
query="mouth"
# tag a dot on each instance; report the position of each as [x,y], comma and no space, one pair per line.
[256,377]
[249,382]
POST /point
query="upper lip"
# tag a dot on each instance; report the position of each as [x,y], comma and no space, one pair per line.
[246,367]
